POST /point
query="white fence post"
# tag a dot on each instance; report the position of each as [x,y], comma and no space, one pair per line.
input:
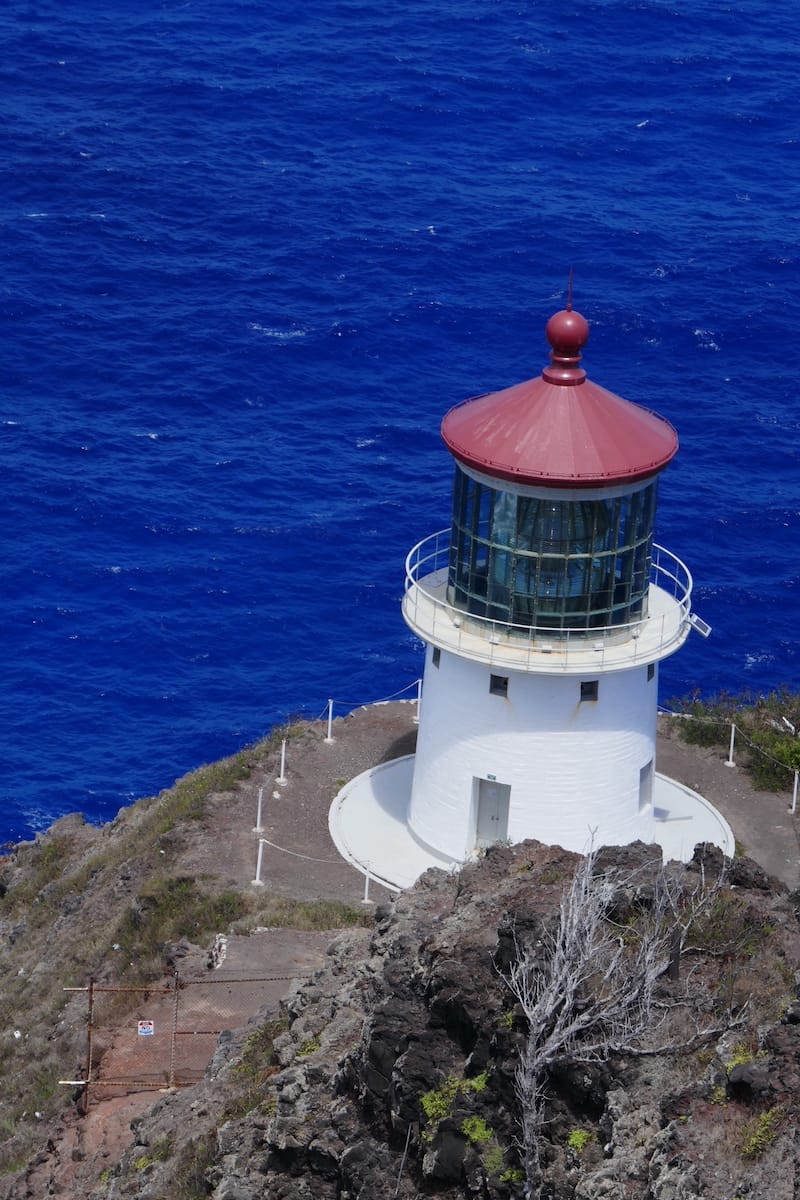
[793,809]
[366,899]
[282,777]
[258,827]
[729,762]
[419,700]
[258,882]
[329,738]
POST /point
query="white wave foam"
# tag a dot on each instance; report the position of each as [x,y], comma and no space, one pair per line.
[280,335]
[754,660]
[706,339]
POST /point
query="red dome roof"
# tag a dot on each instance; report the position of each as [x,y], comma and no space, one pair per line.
[560,430]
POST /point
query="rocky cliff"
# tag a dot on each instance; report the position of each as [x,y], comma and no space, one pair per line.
[392,1073]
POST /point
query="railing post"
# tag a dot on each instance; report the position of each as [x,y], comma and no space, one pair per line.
[366,899]
[258,828]
[282,777]
[329,738]
[729,762]
[793,809]
[257,881]
[419,699]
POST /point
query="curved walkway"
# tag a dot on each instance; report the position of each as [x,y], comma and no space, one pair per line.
[694,786]
[367,822]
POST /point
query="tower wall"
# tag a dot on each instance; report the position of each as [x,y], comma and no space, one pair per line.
[578,770]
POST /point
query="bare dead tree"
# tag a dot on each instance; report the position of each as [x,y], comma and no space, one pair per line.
[587,990]
[683,907]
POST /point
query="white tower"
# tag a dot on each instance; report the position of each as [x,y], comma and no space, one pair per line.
[545,610]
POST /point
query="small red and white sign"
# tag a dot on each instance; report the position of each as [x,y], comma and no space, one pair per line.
[146,1028]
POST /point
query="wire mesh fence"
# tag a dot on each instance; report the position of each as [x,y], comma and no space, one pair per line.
[160,1036]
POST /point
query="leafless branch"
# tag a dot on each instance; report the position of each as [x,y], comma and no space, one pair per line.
[588,993]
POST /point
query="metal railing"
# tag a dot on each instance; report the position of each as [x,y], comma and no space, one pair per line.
[427,608]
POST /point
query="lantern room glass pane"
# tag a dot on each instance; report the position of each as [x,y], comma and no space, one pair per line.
[549,562]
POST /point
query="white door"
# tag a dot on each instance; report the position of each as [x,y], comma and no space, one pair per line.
[492,812]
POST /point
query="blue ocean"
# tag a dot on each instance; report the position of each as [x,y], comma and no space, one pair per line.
[253,252]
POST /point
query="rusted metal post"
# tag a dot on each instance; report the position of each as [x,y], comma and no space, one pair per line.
[176,985]
[89,1045]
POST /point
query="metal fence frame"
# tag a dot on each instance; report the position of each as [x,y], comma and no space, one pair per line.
[172,987]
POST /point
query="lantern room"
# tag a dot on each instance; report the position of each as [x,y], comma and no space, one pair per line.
[555,497]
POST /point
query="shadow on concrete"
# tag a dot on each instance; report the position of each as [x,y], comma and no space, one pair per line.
[400,747]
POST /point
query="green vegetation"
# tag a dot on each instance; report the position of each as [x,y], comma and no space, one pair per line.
[251,1075]
[30,1077]
[765,742]
[279,912]
[579,1139]
[741,1055]
[729,925]
[553,873]
[703,722]
[189,1181]
[168,909]
[44,860]
[438,1103]
[309,1046]
[759,1134]
[187,799]
[477,1130]
[493,1159]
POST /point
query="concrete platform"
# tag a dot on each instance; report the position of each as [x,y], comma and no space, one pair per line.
[367,822]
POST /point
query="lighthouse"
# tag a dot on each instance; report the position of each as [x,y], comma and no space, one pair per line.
[545,610]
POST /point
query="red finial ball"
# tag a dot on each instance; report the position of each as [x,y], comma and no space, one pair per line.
[567,332]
